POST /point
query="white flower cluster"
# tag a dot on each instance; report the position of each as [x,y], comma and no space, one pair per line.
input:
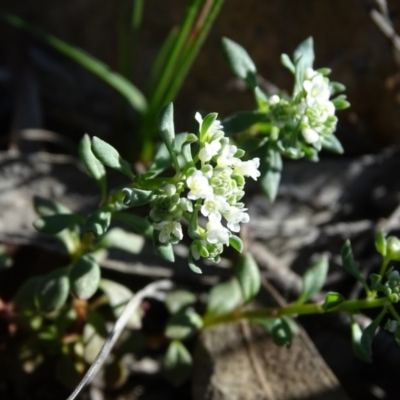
[312,108]
[213,188]
[317,111]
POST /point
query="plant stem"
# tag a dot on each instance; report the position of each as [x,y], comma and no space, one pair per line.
[293,309]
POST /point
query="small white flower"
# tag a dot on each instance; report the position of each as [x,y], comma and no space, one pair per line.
[317,89]
[216,232]
[226,156]
[235,216]
[214,205]
[170,231]
[309,73]
[310,135]
[209,150]
[248,168]
[274,99]
[198,185]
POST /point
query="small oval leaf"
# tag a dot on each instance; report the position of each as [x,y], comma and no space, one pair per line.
[92,164]
[136,197]
[248,276]
[177,363]
[98,222]
[183,324]
[54,224]
[240,62]
[52,290]
[314,279]
[110,157]
[332,299]
[85,278]
[224,297]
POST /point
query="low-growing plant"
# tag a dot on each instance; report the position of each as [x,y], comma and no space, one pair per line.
[194,191]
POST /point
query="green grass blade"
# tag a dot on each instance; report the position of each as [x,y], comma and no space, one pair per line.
[192,49]
[96,67]
[169,72]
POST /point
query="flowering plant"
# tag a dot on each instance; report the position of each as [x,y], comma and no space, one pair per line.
[196,184]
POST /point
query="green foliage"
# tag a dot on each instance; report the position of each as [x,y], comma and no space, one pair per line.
[314,279]
[179,299]
[350,264]
[51,291]
[54,224]
[362,339]
[84,277]
[240,62]
[177,363]
[332,299]
[136,197]
[381,243]
[224,297]
[248,276]
[92,164]
[183,324]
[110,157]
[271,167]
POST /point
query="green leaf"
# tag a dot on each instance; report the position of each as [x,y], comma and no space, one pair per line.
[236,243]
[98,222]
[110,157]
[138,224]
[164,250]
[243,120]
[350,264]
[303,58]
[332,299]
[46,207]
[90,63]
[240,62]
[54,224]
[314,279]
[92,164]
[120,239]
[136,197]
[271,168]
[279,326]
[25,298]
[332,144]
[362,339]
[336,87]
[84,278]
[248,276]
[340,103]
[193,266]
[166,124]
[162,159]
[52,290]
[184,324]
[224,297]
[380,243]
[178,299]
[167,131]
[207,122]
[177,363]
[118,295]
[287,62]
[93,336]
